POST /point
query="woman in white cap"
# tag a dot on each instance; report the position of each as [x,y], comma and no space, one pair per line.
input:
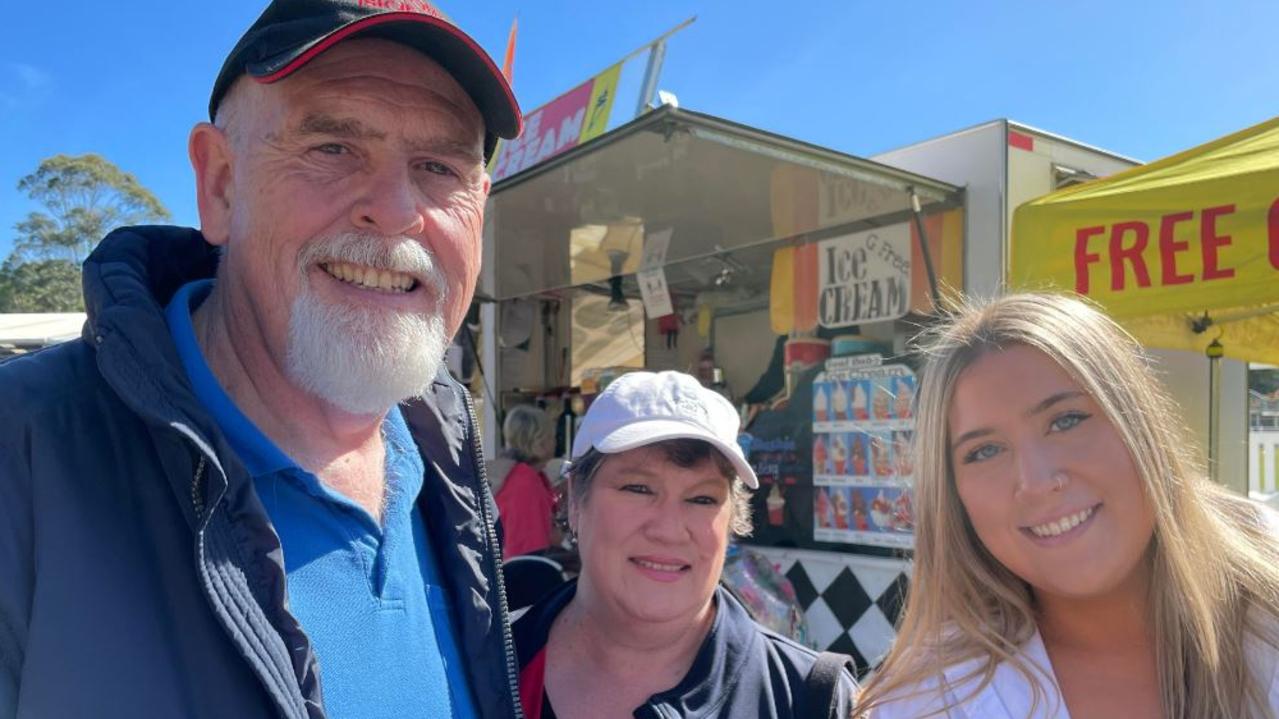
[1071,558]
[656,485]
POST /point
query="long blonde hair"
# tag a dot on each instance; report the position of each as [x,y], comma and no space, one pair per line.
[1214,561]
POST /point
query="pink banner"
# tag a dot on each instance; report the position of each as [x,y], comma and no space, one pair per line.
[548,131]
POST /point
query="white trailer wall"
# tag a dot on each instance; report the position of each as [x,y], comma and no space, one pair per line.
[974,159]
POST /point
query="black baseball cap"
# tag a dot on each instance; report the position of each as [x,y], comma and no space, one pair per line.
[290,33]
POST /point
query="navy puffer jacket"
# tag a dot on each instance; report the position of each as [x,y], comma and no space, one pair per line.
[139,573]
[740,670]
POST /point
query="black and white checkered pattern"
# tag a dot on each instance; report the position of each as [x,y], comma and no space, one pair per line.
[851,602]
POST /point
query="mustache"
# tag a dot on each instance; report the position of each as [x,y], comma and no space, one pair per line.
[394,254]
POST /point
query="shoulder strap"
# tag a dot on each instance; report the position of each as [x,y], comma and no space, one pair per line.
[822,683]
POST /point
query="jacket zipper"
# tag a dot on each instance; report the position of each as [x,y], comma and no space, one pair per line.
[477,456]
[197,503]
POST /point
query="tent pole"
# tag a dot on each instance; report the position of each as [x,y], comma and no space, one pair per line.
[1214,352]
[916,210]
[648,90]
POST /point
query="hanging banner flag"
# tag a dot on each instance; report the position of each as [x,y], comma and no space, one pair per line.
[654,292]
[652,278]
[508,63]
[561,124]
[864,277]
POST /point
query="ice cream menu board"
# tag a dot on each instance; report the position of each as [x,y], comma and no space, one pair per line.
[862,462]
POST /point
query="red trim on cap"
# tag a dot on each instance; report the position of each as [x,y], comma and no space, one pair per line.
[383,18]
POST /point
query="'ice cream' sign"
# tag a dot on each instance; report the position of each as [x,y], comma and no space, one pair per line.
[864,277]
[561,124]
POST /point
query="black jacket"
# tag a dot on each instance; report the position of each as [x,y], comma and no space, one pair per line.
[741,670]
[139,574]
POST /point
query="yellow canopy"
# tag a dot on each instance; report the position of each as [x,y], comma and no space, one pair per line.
[1166,245]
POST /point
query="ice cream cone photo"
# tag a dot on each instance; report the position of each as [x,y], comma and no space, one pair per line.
[860,521]
[819,456]
[776,503]
[903,397]
[881,457]
[841,509]
[860,467]
[839,453]
[881,511]
[859,402]
[839,401]
[821,507]
[903,457]
[881,403]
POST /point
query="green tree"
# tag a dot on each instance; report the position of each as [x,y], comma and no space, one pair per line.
[40,286]
[84,197]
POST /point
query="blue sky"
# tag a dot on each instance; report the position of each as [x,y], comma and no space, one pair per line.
[128,79]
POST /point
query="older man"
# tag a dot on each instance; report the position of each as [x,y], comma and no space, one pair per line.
[211,506]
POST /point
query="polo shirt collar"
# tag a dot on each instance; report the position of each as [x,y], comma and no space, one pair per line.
[258,453]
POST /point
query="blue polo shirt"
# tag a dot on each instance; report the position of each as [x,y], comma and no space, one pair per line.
[368,596]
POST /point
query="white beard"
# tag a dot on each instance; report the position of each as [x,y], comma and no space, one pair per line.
[365,360]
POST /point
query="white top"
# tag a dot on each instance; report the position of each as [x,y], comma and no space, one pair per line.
[1009,696]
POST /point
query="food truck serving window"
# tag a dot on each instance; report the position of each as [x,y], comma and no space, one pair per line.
[682,241]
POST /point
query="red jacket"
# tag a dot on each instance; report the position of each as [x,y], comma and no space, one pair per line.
[525,505]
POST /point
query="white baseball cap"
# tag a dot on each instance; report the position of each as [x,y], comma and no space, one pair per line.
[642,408]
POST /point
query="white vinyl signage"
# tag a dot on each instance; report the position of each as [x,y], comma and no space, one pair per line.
[864,277]
[654,293]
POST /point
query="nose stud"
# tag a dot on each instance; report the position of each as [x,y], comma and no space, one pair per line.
[1060,479]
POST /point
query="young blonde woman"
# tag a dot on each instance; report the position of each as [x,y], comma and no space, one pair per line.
[1071,558]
